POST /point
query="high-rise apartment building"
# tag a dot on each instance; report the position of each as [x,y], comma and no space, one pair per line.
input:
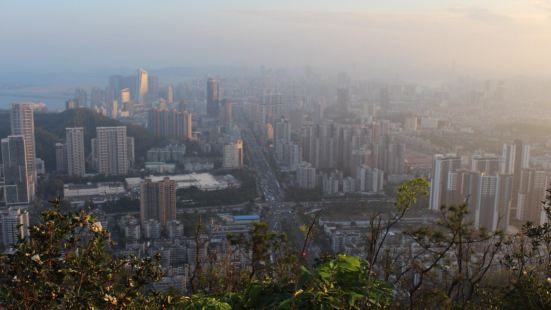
[515,158]
[330,146]
[74,145]
[488,164]
[124,95]
[184,127]
[226,115]
[15,224]
[126,103]
[142,85]
[213,98]
[444,185]
[158,201]
[232,156]
[16,176]
[294,158]
[22,123]
[111,150]
[114,109]
[486,193]
[174,229]
[306,176]
[170,94]
[60,158]
[394,159]
[130,150]
[490,201]
[282,130]
[170,123]
[532,191]
[369,180]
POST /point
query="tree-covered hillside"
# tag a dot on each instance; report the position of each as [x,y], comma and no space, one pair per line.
[50,128]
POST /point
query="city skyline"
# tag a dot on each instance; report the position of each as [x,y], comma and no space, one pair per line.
[185,154]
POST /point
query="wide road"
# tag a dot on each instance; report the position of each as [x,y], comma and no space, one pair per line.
[269,185]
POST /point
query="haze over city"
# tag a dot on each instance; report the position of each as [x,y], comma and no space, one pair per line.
[275,154]
[406,38]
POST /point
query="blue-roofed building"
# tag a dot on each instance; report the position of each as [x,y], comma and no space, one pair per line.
[246,218]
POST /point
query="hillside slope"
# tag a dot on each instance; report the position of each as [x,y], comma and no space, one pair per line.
[50,128]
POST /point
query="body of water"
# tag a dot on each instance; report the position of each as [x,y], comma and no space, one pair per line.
[54,101]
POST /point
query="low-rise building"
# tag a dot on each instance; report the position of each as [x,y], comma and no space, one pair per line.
[160,167]
[98,193]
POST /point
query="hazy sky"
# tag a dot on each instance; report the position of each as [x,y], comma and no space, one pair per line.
[467,36]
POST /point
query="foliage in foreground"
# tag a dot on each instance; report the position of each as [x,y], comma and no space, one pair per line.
[66,264]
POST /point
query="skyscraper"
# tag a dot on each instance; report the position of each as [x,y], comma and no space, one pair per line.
[158,201]
[232,156]
[488,164]
[444,183]
[74,144]
[491,201]
[170,94]
[369,180]
[114,109]
[515,158]
[226,114]
[111,150]
[60,158]
[531,193]
[213,97]
[185,127]
[306,175]
[15,224]
[22,123]
[125,95]
[395,158]
[16,176]
[170,123]
[130,151]
[282,130]
[141,86]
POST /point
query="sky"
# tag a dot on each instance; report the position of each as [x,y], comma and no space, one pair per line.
[474,37]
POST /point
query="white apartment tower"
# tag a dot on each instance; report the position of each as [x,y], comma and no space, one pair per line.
[15,224]
[306,175]
[233,154]
[111,150]
[443,183]
[22,123]
[74,144]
